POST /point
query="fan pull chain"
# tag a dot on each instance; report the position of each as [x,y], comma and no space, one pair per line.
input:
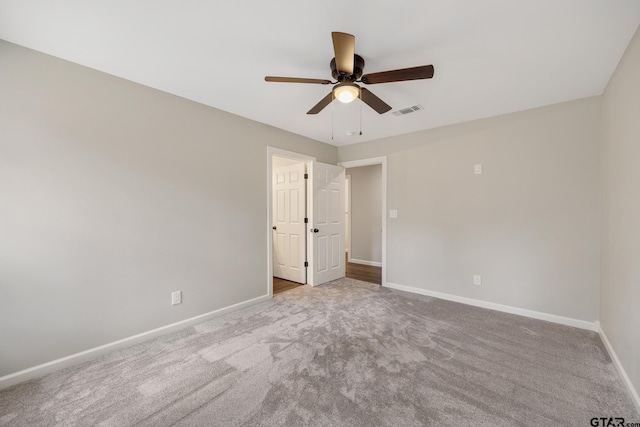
[332,123]
[361,118]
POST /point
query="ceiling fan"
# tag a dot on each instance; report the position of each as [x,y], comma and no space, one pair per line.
[347,68]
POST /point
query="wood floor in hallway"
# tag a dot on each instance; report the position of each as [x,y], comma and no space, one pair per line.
[281,285]
[366,273]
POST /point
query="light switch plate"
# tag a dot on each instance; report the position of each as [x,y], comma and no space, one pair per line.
[477,169]
[176,297]
[393,213]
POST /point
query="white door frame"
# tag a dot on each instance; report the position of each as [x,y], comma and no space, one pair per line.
[368,162]
[347,179]
[273,151]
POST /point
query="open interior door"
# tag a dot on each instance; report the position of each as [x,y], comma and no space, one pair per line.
[326,224]
[289,229]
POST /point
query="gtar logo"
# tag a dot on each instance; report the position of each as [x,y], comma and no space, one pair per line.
[607,422]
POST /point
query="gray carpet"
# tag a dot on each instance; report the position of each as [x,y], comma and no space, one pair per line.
[344,354]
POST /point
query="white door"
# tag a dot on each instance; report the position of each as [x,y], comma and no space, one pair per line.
[289,229]
[326,230]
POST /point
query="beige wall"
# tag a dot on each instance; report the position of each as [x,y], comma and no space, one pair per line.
[620,283]
[366,213]
[112,195]
[528,225]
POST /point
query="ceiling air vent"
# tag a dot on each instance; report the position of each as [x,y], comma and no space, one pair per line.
[403,111]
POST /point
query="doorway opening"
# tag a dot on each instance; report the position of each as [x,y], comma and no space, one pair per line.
[367,242]
[305,218]
[289,207]
[364,223]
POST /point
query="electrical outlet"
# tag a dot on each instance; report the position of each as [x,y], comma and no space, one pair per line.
[176,297]
[477,279]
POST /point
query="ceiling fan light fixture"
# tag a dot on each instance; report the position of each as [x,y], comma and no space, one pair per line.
[346,92]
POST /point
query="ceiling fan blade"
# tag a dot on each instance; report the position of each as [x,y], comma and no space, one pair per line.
[344,48]
[373,101]
[413,73]
[296,80]
[323,103]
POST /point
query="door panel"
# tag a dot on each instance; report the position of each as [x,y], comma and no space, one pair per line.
[322,203]
[322,254]
[289,252]
[327,244]
[335,251]
[280,250]
[336,215]
[281,206]
[294,206]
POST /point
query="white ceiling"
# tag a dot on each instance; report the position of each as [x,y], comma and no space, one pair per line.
[490,56]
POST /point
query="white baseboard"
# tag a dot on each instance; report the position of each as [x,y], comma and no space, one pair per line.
[83,356]
[582,324]
[364,262]
[614,357]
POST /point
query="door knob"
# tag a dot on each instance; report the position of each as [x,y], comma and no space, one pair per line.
[274,227]
[315,230]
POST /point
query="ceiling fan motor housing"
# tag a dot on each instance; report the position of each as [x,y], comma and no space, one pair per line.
[358,66]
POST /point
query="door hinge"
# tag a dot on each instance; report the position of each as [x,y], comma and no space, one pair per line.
[306,220]
[306,176]
[306,264]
